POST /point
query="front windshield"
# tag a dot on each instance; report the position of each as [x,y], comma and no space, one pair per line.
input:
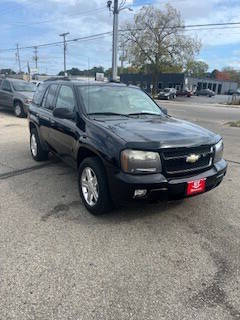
[23,86]
[166,90]
[120,100]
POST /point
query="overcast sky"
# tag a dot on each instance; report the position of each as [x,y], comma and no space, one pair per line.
[33,22]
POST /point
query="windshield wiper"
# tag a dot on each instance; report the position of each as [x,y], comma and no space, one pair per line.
[108,114]
[143,113]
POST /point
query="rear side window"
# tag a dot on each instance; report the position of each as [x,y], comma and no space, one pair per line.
[6,86]
[37,99]
[49,97]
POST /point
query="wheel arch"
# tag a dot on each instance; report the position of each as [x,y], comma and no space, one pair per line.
[15,100]
[85,152]
[32,126]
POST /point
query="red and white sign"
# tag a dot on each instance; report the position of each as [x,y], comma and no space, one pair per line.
[197,186]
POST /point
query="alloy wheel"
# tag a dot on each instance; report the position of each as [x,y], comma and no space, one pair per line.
[89,185]
[34,145]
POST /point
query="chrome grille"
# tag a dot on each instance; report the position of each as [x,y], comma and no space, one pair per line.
[175,160]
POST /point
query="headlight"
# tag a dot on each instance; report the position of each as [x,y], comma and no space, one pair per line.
[218,151]
[134,161]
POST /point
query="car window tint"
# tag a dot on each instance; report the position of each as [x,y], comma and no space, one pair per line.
[65,98]
[49,97]
[37,98]
[45,98]
[6,86]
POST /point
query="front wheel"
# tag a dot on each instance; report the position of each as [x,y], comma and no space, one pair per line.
[93,186]
[18,110]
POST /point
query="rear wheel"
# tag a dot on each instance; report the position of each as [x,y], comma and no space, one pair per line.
[93,187]
[18,110]
[38,153]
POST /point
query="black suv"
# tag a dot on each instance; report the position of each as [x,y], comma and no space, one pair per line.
[122,143]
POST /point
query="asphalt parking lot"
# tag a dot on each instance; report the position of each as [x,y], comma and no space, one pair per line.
[177,260]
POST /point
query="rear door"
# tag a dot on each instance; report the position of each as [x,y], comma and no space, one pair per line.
[45,112]
[6,94]
[63,133]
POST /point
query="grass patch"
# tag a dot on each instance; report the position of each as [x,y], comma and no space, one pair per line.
[235,124]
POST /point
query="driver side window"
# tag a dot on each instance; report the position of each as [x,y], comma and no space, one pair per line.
[66,98]
[6,86]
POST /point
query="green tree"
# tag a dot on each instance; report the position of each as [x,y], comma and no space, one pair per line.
[234,75]
[197,68]
[156,38]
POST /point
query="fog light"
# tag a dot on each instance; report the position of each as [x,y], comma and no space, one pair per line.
[139,193]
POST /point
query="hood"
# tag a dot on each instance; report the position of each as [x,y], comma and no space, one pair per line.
[25,94]
[159,132]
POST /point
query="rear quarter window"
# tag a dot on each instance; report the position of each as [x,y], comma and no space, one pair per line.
[37,98]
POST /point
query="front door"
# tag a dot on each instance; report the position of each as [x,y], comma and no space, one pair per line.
[63,133]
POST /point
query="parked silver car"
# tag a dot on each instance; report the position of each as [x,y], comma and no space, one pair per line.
[167,93]
[16,95]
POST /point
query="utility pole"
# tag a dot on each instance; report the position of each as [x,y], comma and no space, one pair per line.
[116,9]
[115,41]
[35,58]
[18,59]
[64,49]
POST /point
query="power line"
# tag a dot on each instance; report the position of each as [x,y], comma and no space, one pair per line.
[96,36]
[91,37]
[22,24]
[184,28]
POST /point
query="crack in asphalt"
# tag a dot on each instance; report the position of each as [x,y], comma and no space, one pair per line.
[233,161]
[19,172]
[213,294]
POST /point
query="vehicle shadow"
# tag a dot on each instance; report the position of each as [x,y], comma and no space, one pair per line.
[137,210]
[7,112]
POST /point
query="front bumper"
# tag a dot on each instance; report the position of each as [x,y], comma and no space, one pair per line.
[26,107]
[122,186]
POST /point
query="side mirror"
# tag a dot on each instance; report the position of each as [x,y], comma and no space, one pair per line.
[165,111]
[63,113]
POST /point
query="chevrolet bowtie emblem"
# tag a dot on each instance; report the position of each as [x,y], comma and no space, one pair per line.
[192,158]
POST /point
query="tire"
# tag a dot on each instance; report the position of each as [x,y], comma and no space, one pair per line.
[103,203]
[18,110]
[37,152]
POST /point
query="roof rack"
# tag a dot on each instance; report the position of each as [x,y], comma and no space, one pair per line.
[57,79]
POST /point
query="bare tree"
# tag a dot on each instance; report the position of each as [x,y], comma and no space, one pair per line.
[156,39]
